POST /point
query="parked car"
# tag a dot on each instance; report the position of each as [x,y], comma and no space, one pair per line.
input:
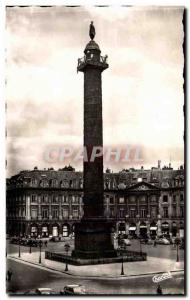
[54,239]
[14,240]
[73,289]
[45,291]
[146,241]
[182,244]
[162,241]
[127,242]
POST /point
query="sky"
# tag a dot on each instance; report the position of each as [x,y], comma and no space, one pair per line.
[142,90]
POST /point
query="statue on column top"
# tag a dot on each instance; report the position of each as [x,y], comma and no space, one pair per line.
[92,31]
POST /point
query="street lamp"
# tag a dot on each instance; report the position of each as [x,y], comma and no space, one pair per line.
[177,242]
[40,257]
[67,247]
[30,247]
[19,247]
[140,247]
[122,269]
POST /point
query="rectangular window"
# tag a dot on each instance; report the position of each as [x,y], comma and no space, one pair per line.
[45,213]
[153,212]
[23,212]
[34,213]
[75,213]
[65,213]
[132,213]
[64,199]
[55,199]
[112,214]
[111,200]
[143,213]
[165,198]
[165,212]
[121,213]
[174,211]
[74,199]
[55,213]
[181,211]
[34,198]
[121,200]
[174,198]
[44,198]
[181,197]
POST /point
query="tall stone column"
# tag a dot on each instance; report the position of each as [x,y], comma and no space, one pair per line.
[39,208]
[28,216]
[93,234]
[127,228]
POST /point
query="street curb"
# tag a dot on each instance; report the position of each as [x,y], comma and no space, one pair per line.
[94,277]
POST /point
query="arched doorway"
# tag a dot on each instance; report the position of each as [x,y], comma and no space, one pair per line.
[153,229]
[121,228]
[73,230]
[34,231]
[55,230]
[143,229]
[132,230]
[65,231]
[165,229]
[174,229]
[181,229]
[45,232]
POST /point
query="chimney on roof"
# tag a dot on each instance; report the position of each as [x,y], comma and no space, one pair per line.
[159,164]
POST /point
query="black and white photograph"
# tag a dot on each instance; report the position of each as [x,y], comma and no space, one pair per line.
[95,155]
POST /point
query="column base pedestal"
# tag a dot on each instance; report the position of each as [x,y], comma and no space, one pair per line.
[94,239]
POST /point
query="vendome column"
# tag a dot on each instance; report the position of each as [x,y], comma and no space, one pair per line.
[93,233]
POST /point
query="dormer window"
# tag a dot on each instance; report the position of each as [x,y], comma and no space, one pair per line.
[34,182]
[165,198]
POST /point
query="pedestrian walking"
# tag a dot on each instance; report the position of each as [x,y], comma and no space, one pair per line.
[9,275]
[45,243]
[159,290]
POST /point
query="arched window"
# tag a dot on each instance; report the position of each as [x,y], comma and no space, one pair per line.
[34,182]
[65,231]
[43,183]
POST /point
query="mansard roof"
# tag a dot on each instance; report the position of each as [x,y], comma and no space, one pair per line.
[120,180]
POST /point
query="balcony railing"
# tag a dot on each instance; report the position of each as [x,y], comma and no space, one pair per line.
[85,59]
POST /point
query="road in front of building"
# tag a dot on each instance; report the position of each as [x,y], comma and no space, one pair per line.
[160,251]
[27,278]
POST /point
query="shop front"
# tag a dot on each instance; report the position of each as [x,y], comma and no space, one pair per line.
[165,229]
[181,230]
[34,231]
[143,229]
[153,229]
[44,231]
[121,228]
[65,230]
[132,229]
[55,231]
[174,229]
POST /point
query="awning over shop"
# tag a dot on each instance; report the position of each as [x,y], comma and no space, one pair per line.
[165,225]
[132,228]
[153,228]
[33,229]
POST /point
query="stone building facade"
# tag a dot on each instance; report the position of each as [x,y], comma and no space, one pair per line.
[43,203]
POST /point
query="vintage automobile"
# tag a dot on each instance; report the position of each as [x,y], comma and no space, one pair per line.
[146,241]
[45,291]
[162,241]
[73,289]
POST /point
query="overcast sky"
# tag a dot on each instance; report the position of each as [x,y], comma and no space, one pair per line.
[142,89]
